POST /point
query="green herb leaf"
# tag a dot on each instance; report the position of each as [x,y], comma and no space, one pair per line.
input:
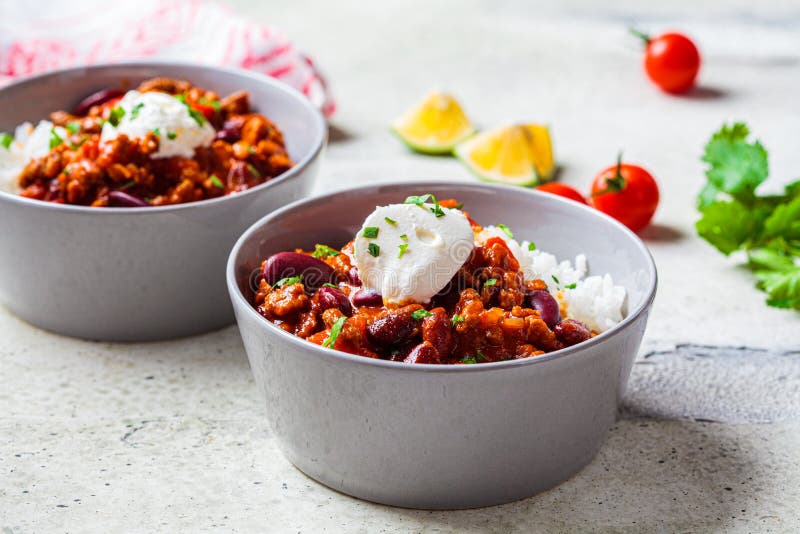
[157,132]
[55,139]
[469,360]
[115,115]
[417,200]
[573,285]
[782,287]
[736,167]
[171,135]
[460,205]
[490,282]
[456,319]
[390,221]
[336,329]
[289,280]
[126,185]
[198,117]
[374,250]
[136,109]
[554,279]
[6,140]
[728,225]
[73,127]
[531,246]
[213,103]
[328,284]
[323,251]
[403,249]
[479,356]
[506,230]
[371,232]
[784,221]
[216,182]
[420,314]
[404,237]
[253,170]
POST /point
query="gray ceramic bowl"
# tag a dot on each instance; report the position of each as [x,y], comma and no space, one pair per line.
[437,436]
[137,274]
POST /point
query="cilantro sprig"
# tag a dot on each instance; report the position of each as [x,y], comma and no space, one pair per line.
[323,251]
[734,217]
[336,329]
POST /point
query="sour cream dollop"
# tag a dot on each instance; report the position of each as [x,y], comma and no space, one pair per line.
[28,143]
[179,132]
[408,254]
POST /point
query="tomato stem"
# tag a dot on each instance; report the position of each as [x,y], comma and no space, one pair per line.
[616,183]
[641,35]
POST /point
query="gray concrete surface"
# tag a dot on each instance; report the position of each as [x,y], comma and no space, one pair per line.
[171,436]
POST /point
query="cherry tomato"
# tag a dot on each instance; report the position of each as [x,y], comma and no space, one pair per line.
[671,60]
[626,192]
[562,190]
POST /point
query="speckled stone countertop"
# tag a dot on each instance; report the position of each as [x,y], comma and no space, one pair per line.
[171,436]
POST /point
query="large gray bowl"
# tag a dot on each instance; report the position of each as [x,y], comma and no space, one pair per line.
[137,274]
[437,436]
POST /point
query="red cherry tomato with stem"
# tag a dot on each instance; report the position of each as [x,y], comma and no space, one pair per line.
[627,193]
[562,190]
[671,61]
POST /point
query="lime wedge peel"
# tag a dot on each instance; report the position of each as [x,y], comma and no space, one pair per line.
[436,126]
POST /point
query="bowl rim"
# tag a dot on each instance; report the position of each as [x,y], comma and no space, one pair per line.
[239,301]
[317,145]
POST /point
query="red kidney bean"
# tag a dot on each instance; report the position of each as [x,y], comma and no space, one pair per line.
[284,264]
[423,353]
[367,297]
[231,130]
[329,297]
[95,99]
[120,199]
[352,274]
[394,328]
[571,332]
[544,302]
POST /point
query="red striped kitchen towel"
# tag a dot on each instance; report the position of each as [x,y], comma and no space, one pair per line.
[49,34]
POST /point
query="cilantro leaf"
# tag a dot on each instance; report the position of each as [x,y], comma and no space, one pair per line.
[727,225]
[736,166]
[784,221]
[782,287]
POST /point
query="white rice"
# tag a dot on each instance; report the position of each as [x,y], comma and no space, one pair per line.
[594,300]
[28,143]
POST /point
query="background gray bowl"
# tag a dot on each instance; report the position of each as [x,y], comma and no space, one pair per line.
[137,274]
[441,437]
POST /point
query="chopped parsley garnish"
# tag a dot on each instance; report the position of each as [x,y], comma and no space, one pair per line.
[404,237]
[73,127]
[506,230]
[456,319]
[66,171]
[213,103]
[289,280]
[371,232]
[251,149]
[554,279]
[323,251]
[328,284]
[420,314]
[157,132]
[6,140]
[336,329]
[459,205]
[171,135]
[216,181]
[417,200]
[390,221]
[573,285]
[403,249]
[490,282]
[55,139]
[253,170]
[422,199]
[115,115]
[531,246]
[374,250]
[126,185]
[478,357]
[136,109]
[198,117]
